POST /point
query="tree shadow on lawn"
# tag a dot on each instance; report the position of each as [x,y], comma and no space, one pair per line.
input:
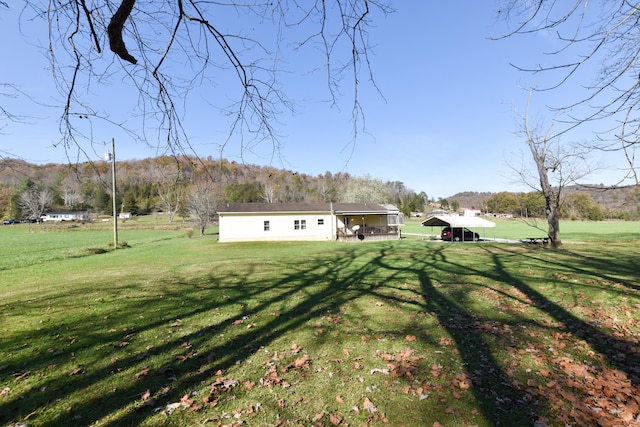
[502,398]
[602,390]
[609,261]
[621,353]
[175,301]
[184,358]
[498,400]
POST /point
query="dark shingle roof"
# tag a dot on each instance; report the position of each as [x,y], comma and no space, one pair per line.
[339,208]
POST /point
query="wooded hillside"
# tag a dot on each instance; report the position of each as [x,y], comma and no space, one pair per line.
[168,184]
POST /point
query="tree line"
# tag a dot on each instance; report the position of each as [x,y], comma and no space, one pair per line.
[193,187]
[574,206]
[592,203]
[183,185]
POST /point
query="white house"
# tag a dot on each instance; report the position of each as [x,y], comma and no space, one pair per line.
[472,212]
[66,216]
[308,221]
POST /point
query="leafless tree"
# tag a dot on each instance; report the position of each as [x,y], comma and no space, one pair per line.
[71,191]
[268,193]
[556,165]
[34,202]
[171,185]
[202,204]
[164,50]
[591,34]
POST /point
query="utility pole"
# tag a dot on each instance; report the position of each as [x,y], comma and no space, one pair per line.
[112,157]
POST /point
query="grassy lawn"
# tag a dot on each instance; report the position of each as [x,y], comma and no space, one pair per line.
[186,332]
[571,231]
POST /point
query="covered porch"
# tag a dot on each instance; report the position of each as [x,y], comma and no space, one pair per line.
[370,224]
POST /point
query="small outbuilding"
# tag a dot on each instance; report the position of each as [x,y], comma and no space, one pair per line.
[455,221]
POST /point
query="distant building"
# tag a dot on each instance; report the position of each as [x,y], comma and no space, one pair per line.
[472,212]
[438,212]
[82,216]
[499,215]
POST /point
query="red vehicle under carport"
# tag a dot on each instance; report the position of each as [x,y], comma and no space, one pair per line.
[459,234]
[458,224]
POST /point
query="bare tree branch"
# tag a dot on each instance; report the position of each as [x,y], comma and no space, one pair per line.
[178,47]
[87,14]
[603,34]
[116,43]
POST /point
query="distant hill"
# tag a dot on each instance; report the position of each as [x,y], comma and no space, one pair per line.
[142,183]
[471,199]
[621,198]
[614,198]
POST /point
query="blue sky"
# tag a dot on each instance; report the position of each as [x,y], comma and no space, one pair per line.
[443,124]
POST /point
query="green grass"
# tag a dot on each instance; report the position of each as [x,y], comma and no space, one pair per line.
[570,231]
[30,244]
[186,332]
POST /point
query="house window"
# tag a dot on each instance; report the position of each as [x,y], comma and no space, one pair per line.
[320,221]
[303,224]
[296,224]
[266,226]
[300,224]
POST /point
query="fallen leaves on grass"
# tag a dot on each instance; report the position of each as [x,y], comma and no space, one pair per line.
[223,384]
[445,341]
[335,419]
[302,362]
[403,363]
[76,371]
[272,378]
[369,406]
[142,373]
[538,362]
[577,392]
[462,381]
[597,396]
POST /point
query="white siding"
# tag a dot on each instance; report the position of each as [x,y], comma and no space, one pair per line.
[250,227]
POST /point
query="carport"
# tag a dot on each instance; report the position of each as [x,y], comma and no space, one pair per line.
[469,222]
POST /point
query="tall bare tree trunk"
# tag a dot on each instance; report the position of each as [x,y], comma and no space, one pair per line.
[551,195]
